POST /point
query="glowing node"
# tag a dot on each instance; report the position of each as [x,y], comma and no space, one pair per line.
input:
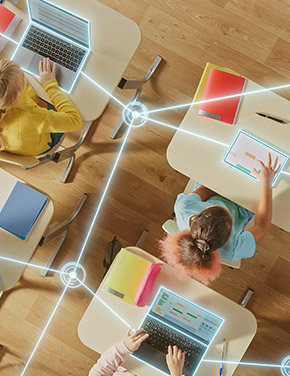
[285,363]
[135,114]
[72,275]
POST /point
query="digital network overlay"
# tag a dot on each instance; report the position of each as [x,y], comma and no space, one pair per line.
[72,274]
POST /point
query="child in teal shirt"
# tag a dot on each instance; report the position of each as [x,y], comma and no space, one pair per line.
[212,227]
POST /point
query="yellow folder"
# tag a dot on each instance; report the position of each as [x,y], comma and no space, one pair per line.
[125,276]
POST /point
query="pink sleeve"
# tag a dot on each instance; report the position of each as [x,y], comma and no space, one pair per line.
[110,360]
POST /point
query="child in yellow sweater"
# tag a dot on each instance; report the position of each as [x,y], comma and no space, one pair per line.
[25,127]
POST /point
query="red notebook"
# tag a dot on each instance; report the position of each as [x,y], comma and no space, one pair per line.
[221,84]
[8,23]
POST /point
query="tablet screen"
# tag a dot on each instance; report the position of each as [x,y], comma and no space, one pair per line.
[245,152]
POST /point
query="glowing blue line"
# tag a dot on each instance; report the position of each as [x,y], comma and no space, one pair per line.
[33,265]
[247,363]
[103,196]
[44,330]
[105,91]
[105,304]
[188,132]
[11,40]
[219,98]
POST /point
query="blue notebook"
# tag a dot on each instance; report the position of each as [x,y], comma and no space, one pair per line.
[21,210]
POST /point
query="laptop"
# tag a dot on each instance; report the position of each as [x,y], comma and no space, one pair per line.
[174,320]
[58,34]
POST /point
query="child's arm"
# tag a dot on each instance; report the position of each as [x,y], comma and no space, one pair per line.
[264,212]
[204,192]
[117,354]
[110,360]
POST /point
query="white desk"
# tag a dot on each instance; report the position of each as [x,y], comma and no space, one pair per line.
[114,39]
[13,247]
[99,328]
[201,159]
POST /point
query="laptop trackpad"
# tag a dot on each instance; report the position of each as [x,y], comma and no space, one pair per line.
[33,66]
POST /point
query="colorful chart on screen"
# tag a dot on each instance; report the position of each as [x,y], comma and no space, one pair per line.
[187,315]
[245,152]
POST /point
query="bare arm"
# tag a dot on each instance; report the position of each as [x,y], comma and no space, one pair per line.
[204,192]
[264,212]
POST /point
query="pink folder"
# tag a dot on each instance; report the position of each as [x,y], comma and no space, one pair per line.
[222,84]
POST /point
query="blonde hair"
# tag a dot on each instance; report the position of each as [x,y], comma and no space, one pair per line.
[11,84]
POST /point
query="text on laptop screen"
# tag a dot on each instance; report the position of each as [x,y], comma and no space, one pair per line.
[186,315]
[60,21]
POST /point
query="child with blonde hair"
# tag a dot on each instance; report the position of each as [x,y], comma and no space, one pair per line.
[25,127]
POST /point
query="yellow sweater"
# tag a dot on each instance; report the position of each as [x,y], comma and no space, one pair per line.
[27,127]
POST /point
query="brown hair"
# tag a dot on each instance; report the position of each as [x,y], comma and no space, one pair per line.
[11,84]
[209,231]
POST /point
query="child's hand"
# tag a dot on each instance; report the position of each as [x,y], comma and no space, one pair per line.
[133,341]
[267,173]
[175,361]
[45,72]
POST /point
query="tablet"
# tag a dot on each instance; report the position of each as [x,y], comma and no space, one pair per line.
[245,152]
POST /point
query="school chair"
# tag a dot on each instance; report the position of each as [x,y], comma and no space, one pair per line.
[170,227]
[57,154]
[136,84]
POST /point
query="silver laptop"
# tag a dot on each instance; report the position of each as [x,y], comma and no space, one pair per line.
[58,34]
[174,320]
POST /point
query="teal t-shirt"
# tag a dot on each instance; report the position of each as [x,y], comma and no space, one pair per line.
[241,244]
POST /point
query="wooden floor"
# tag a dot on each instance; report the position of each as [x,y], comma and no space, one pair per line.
[249,36]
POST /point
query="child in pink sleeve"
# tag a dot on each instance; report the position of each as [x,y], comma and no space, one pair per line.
[110,362]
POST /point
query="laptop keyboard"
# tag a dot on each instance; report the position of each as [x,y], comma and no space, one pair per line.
[58,50]
[161,336]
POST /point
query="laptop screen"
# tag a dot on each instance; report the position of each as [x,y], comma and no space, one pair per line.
[184,314]
[60,21]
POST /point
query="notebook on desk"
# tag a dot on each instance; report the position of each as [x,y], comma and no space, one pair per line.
[126,275]
[222,84]
[21,210]
[174,320]
[8,23]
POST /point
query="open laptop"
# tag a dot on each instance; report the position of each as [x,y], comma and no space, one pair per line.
[58,34]
[174,320]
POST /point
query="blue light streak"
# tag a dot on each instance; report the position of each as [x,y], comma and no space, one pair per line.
[187,132]
[11,40]
[29,264]
[44,330]
[219,98]
[105,91]
[103,195]
[247,363]
[105,304]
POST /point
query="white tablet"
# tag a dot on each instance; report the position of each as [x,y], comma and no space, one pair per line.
[245,152]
